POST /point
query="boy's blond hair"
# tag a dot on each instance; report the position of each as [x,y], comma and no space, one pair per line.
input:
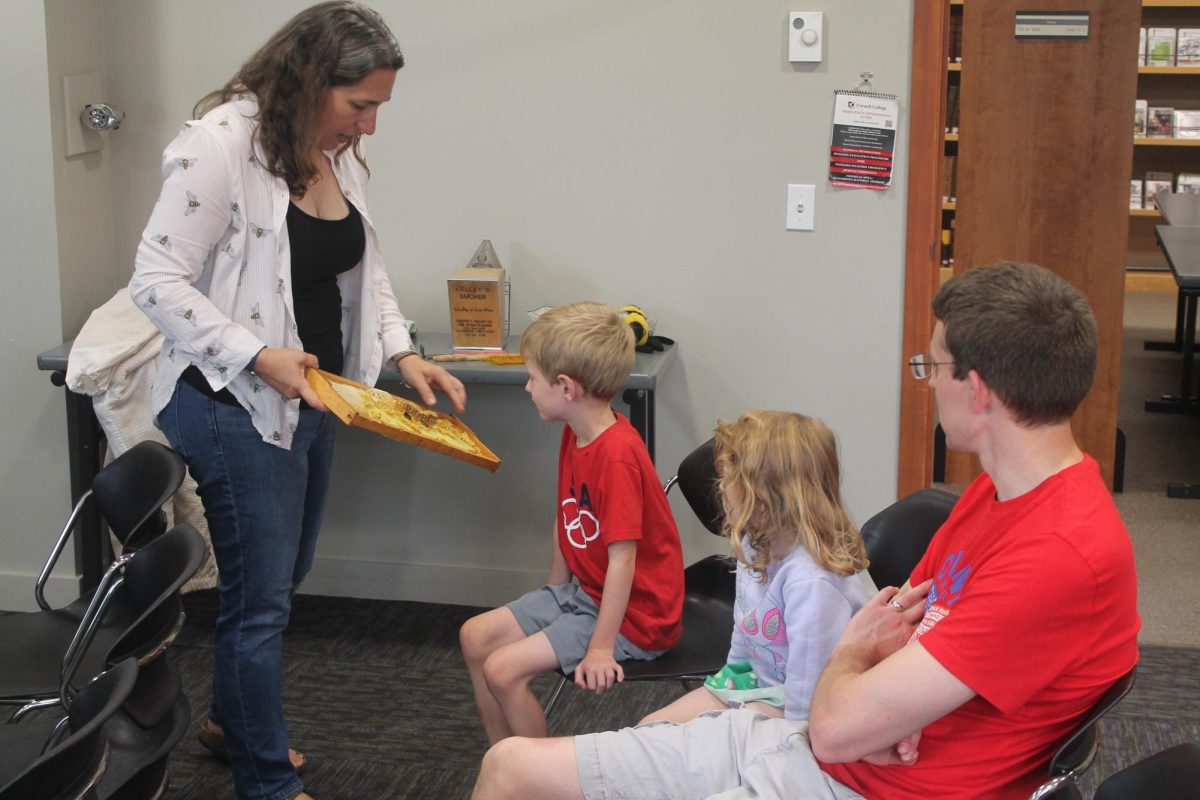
[780,485]
[586,341]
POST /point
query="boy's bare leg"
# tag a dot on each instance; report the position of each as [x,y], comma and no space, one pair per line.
[527,768]
[687,708]
[507,673]
[479,637]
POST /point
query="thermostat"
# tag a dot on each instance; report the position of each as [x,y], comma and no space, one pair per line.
[806,36]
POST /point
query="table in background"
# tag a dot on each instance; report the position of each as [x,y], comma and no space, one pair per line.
[84,434]
[1180,210]
[1181,245]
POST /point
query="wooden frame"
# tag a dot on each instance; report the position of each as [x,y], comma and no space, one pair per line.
[926,135]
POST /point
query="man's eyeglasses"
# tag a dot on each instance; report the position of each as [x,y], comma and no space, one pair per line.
[922,365]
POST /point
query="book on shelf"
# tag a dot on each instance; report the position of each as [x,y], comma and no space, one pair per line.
[1135,194]
[1157,182]
[1142,47]
[1139,117]
[949,179]
[956,29]
[952,108]
[1160,47]
[1188,182]
[1187,123]
[1160,122]
[1187,47]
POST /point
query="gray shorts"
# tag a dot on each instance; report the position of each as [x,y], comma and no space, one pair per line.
[720,754]
[567,615]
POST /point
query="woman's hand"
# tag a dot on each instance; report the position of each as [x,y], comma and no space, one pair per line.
[423,376]
[283,370]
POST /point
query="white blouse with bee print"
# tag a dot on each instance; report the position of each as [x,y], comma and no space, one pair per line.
[213,270]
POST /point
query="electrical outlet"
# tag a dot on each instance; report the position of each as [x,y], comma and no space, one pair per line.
[801,197]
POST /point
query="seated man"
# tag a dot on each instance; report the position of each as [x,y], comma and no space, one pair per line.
[964,681]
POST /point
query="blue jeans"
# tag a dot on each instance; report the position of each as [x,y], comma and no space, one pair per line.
[264,507]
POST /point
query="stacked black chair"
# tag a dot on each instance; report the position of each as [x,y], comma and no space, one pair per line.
[1173,774]
[129,493]
[1076,754]
[34,765]
[709,587]
[156,712]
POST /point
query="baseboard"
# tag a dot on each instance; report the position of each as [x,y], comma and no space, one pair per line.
[16,590]
[429,583]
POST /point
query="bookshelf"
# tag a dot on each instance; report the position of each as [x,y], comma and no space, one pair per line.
[1175,87]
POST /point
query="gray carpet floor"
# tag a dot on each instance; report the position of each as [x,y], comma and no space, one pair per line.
[378,698]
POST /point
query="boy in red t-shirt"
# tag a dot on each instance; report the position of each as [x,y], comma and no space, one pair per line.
[614,533]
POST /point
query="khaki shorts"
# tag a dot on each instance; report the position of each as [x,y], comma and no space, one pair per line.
[567,615]
[720,754]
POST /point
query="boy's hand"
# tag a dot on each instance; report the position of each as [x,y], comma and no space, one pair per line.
[598,672]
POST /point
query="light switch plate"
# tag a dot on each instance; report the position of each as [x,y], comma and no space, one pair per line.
[806,36]
[800,200]
[78,91]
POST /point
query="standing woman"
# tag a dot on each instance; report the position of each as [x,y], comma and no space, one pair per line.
[259,260]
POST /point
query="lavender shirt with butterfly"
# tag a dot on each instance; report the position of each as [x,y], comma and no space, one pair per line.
[787,626]
[213,270]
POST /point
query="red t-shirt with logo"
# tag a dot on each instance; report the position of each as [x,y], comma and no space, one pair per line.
[608,491]
[1034,607]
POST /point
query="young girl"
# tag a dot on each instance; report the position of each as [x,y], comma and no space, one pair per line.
[801,575]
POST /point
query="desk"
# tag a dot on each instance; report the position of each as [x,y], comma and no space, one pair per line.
[84,434]
[1182,248]
[1182,210]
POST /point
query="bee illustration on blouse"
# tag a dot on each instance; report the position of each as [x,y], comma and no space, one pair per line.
[236,209]
[256,316]
[171,355]
[275,437]
[193,203]
[163,240]
[256,387]
[242,272]
[279,286]
[258,230]
[228,250]
[222,370]
[209,352]
[187,163]
[152,300]
[224,125]
[253,159]
[186,314]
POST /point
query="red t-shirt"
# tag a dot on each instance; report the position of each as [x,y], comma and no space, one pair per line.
[1034,607]
[608,492]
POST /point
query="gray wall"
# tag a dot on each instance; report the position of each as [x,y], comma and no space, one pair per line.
[626,152]
[33,477]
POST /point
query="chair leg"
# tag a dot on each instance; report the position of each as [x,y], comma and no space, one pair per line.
[552,700]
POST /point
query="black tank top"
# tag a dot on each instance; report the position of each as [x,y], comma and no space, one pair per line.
[321,249]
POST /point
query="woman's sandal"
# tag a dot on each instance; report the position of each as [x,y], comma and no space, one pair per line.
[213,739]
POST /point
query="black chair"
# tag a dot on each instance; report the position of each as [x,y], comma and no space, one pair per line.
[708,592]
[1076,754]
[130,493]
[145,588]
[157,713]
[72,767]
[1172,774]
[898,536]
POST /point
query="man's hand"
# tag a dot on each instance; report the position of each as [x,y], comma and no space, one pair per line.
[598,671]
[886,622]
[283,370]
[424,376]
[903,753]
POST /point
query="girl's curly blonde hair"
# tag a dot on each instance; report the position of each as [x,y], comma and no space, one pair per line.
[780,488]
